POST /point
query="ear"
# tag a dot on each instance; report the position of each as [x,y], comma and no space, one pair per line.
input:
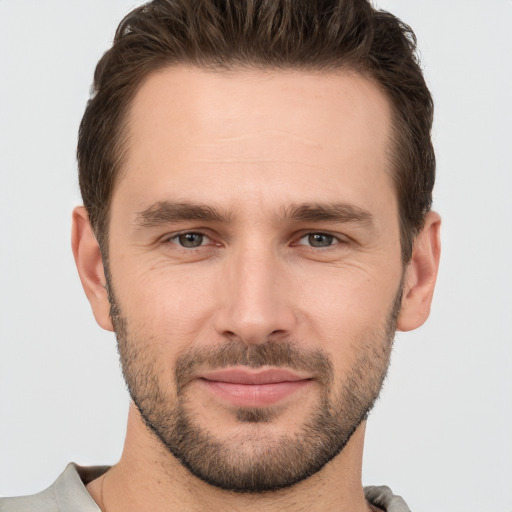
[420,275]
[89,263]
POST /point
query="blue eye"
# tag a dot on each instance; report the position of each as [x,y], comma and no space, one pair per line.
[318,240]
[190,240]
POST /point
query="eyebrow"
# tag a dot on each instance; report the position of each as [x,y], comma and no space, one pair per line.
[330,212]
[164,212]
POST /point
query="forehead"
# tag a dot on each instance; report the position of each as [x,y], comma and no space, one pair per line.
[257,132]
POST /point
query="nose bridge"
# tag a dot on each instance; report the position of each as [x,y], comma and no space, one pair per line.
[255,302]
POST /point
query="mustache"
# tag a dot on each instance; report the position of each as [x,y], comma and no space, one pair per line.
[271,353]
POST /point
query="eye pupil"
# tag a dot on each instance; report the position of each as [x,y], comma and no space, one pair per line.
[190,240]
[320,240]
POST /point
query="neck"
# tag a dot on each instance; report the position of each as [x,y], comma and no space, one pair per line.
[149,478]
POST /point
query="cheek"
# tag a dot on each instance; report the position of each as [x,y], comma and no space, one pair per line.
[346,311]
[345,295]
[334,305]
[168,302]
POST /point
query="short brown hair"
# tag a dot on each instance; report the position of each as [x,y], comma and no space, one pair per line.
[280,34]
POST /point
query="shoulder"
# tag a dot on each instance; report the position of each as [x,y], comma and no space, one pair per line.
[66,494]
[41,502]
[382,496]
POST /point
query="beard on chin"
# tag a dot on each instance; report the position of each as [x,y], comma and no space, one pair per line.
[258,461]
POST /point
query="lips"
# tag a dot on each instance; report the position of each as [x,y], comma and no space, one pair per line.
[253,388]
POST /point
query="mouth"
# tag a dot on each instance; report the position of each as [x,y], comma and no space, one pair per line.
[244,387]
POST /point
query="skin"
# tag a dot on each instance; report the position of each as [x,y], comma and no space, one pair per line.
[253,144]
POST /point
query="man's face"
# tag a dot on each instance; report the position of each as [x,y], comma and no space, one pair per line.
[255,267]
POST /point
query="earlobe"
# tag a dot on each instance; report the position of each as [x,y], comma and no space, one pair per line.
[420,275]
[89,264]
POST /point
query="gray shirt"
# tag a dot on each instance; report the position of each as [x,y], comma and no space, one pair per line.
[68,494]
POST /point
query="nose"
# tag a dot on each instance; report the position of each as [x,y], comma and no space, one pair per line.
[255,297]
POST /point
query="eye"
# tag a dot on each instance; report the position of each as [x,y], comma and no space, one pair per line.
[190,240]
[318,240]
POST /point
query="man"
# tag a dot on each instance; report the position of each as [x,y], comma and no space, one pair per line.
[257,182]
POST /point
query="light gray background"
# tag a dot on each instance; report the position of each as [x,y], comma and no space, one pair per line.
[441,434]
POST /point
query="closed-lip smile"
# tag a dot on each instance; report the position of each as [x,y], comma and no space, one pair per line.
[248,387]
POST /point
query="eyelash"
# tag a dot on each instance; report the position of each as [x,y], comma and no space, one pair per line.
[174,239]
[333,239]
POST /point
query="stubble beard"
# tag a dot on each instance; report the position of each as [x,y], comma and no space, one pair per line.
[260,461]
